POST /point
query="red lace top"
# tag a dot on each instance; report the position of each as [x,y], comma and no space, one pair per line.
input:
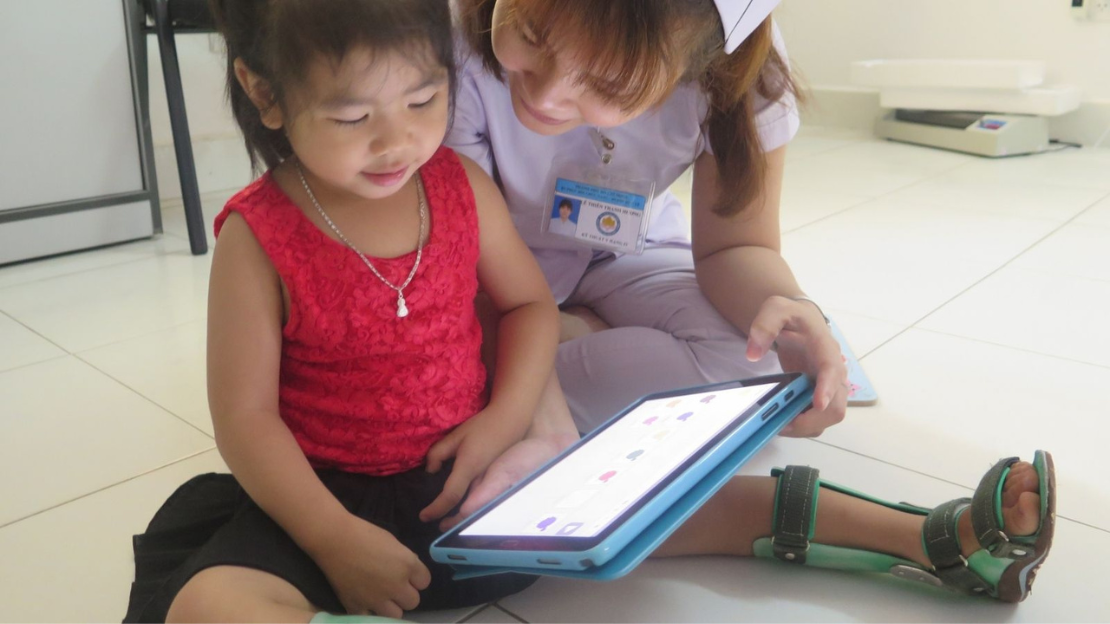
[361,389]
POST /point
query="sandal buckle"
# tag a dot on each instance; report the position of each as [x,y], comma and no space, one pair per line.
[789,553]
[963,560]
[957,576]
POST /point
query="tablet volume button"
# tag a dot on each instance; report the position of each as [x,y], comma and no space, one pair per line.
[770,411]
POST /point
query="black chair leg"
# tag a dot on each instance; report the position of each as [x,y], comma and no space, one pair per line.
[179,123]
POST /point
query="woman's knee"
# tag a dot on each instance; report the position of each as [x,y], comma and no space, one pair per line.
[725,359]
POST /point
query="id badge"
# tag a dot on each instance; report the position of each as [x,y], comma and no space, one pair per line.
[598,207]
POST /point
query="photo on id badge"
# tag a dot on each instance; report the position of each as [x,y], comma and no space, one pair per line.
[564,216]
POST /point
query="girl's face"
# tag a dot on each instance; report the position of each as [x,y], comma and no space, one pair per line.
[550,94]
[364,127]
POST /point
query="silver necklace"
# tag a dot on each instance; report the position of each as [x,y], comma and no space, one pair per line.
[402,309]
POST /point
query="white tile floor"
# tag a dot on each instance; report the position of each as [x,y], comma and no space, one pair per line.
[976,293]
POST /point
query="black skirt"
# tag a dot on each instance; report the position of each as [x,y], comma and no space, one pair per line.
[210,521]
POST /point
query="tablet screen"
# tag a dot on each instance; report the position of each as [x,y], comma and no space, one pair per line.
[586,491]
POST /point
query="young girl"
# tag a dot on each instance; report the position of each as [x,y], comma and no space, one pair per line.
[343,348]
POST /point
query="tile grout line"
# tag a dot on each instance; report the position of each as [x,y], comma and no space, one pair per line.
[829,150]
[32,330]
[65,352]
[105,488]
[474,613]
[987,276]
[144,397]
[508,612]
[203,317]
[44,361]
[923,180]
[1100,280]
[77,354]
[866,201]
[1019,349]
[873,198]
[143,258]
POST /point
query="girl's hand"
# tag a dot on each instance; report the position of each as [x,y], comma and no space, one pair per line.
[804,344]
[475,445]
[513,465]
[372,572]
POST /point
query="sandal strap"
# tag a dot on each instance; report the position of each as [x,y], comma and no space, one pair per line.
[985,511]
[942,546]
[795,507]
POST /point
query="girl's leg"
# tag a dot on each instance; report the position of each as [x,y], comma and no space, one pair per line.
[237,594]
[665,334]
[741,513]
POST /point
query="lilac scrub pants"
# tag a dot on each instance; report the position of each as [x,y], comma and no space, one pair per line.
[665,335]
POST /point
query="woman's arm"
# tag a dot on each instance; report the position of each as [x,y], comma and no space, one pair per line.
[740,269]
[527,337]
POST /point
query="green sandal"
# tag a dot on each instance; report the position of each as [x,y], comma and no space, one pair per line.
[1004,568]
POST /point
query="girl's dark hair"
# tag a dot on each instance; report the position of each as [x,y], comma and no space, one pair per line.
[646,48]
[280,39]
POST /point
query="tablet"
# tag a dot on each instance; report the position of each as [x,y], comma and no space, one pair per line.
[583,507]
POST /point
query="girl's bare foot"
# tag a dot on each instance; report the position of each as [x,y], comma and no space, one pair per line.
[1021,507]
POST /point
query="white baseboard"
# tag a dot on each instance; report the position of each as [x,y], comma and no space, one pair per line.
[221,163]
[858,109]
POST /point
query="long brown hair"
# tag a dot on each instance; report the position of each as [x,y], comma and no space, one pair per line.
[279,39]
[646,48]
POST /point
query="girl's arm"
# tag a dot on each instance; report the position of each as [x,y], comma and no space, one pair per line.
[244,358]
[528,333]
[740,269]
[527,339]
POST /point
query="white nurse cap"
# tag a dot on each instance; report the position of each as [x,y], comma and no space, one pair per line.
[741,17]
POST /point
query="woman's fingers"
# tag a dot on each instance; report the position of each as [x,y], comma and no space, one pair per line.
[813,422]
[832,374]
[773,316]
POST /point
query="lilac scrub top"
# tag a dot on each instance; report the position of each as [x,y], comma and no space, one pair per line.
[659,144]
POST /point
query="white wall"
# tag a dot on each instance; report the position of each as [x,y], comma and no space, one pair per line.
[825,36]
[221,160]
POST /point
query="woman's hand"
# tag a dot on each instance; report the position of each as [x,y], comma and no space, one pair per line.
[797,331]
[372,572]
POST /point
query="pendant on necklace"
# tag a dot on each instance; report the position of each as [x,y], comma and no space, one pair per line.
[402,309]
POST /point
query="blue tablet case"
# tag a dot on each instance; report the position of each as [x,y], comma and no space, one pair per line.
[651,537]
